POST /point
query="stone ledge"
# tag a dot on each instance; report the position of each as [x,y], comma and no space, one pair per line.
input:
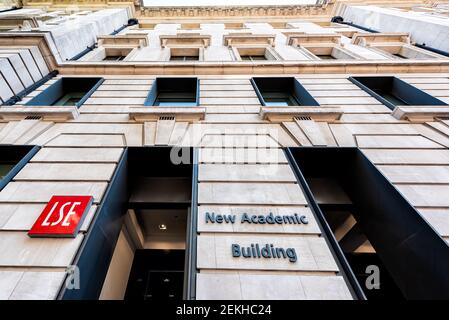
[189,114]
[235,39]
[420,114]
[46,113]
[281,114]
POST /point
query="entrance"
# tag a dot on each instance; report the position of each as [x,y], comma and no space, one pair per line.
[377,234]
[149,260]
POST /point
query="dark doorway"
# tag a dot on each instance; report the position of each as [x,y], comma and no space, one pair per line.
[373,224]
[161,199]
[156,275]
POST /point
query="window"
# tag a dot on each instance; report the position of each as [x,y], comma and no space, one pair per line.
[393,92]
[12,160]
[114,58]
[5,167]
[399,56]
[173,92]
[282,92]
[185,54]
[255,53]
[253,57]
[325,56]
[67,92]
[328,52]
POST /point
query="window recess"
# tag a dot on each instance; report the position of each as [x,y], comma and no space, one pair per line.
[393,92]
[282,92]
[67,92]
[368,221]
[255,54]
[393,45]
[176,92]
[320,46]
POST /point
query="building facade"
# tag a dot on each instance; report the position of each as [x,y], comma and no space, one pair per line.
[281,152]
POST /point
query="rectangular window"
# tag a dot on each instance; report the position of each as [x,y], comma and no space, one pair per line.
[253,57]
[12,160]
[255,53]
[173,92]
[185,54]
[392,92]
[282,92]
[325,57]
[67,92]
[114,58]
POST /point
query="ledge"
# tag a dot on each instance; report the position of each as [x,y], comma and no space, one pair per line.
[188,114]
[185,39]
[235,39]
[46,113]
[281,114]
[364,39]
[295,39]
[420,114]
[135,40]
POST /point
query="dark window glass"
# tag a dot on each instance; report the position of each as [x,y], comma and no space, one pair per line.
[282,92]
[12,159]
[393,92]
[372,224]
[325,57]
[66,92]
[114,58]
[399,56]
[173,92]
[5,167]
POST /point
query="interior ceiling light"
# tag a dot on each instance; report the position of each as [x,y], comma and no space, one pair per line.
[162,227]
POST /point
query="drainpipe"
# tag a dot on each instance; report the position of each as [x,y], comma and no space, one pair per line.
[423,46]
[18,97]
[83,53]
[11,9]
[339,20]
[131,22]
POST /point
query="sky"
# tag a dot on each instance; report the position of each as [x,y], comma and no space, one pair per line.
[166,3]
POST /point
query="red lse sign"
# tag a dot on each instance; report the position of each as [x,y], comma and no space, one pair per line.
[62,217]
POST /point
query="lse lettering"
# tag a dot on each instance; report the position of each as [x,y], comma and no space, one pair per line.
[62,217]
[66,222]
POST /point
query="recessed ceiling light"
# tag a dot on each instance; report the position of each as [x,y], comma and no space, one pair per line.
[162,227]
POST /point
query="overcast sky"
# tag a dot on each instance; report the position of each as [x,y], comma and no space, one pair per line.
[150,3]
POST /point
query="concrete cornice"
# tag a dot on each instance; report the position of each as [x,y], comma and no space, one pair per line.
[254,68]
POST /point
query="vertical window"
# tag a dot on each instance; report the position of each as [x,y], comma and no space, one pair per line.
[173,92]
[67,92]
[282,92]
[392,91]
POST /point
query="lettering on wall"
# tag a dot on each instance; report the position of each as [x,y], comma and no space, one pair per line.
[267,251]
[61,217]
[270,218]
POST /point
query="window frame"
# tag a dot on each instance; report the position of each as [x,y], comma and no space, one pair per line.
[404,87]
[55,92]
[297,91]
[154,92]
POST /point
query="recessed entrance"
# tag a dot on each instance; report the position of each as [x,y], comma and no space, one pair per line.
[149,260]
[375,228]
